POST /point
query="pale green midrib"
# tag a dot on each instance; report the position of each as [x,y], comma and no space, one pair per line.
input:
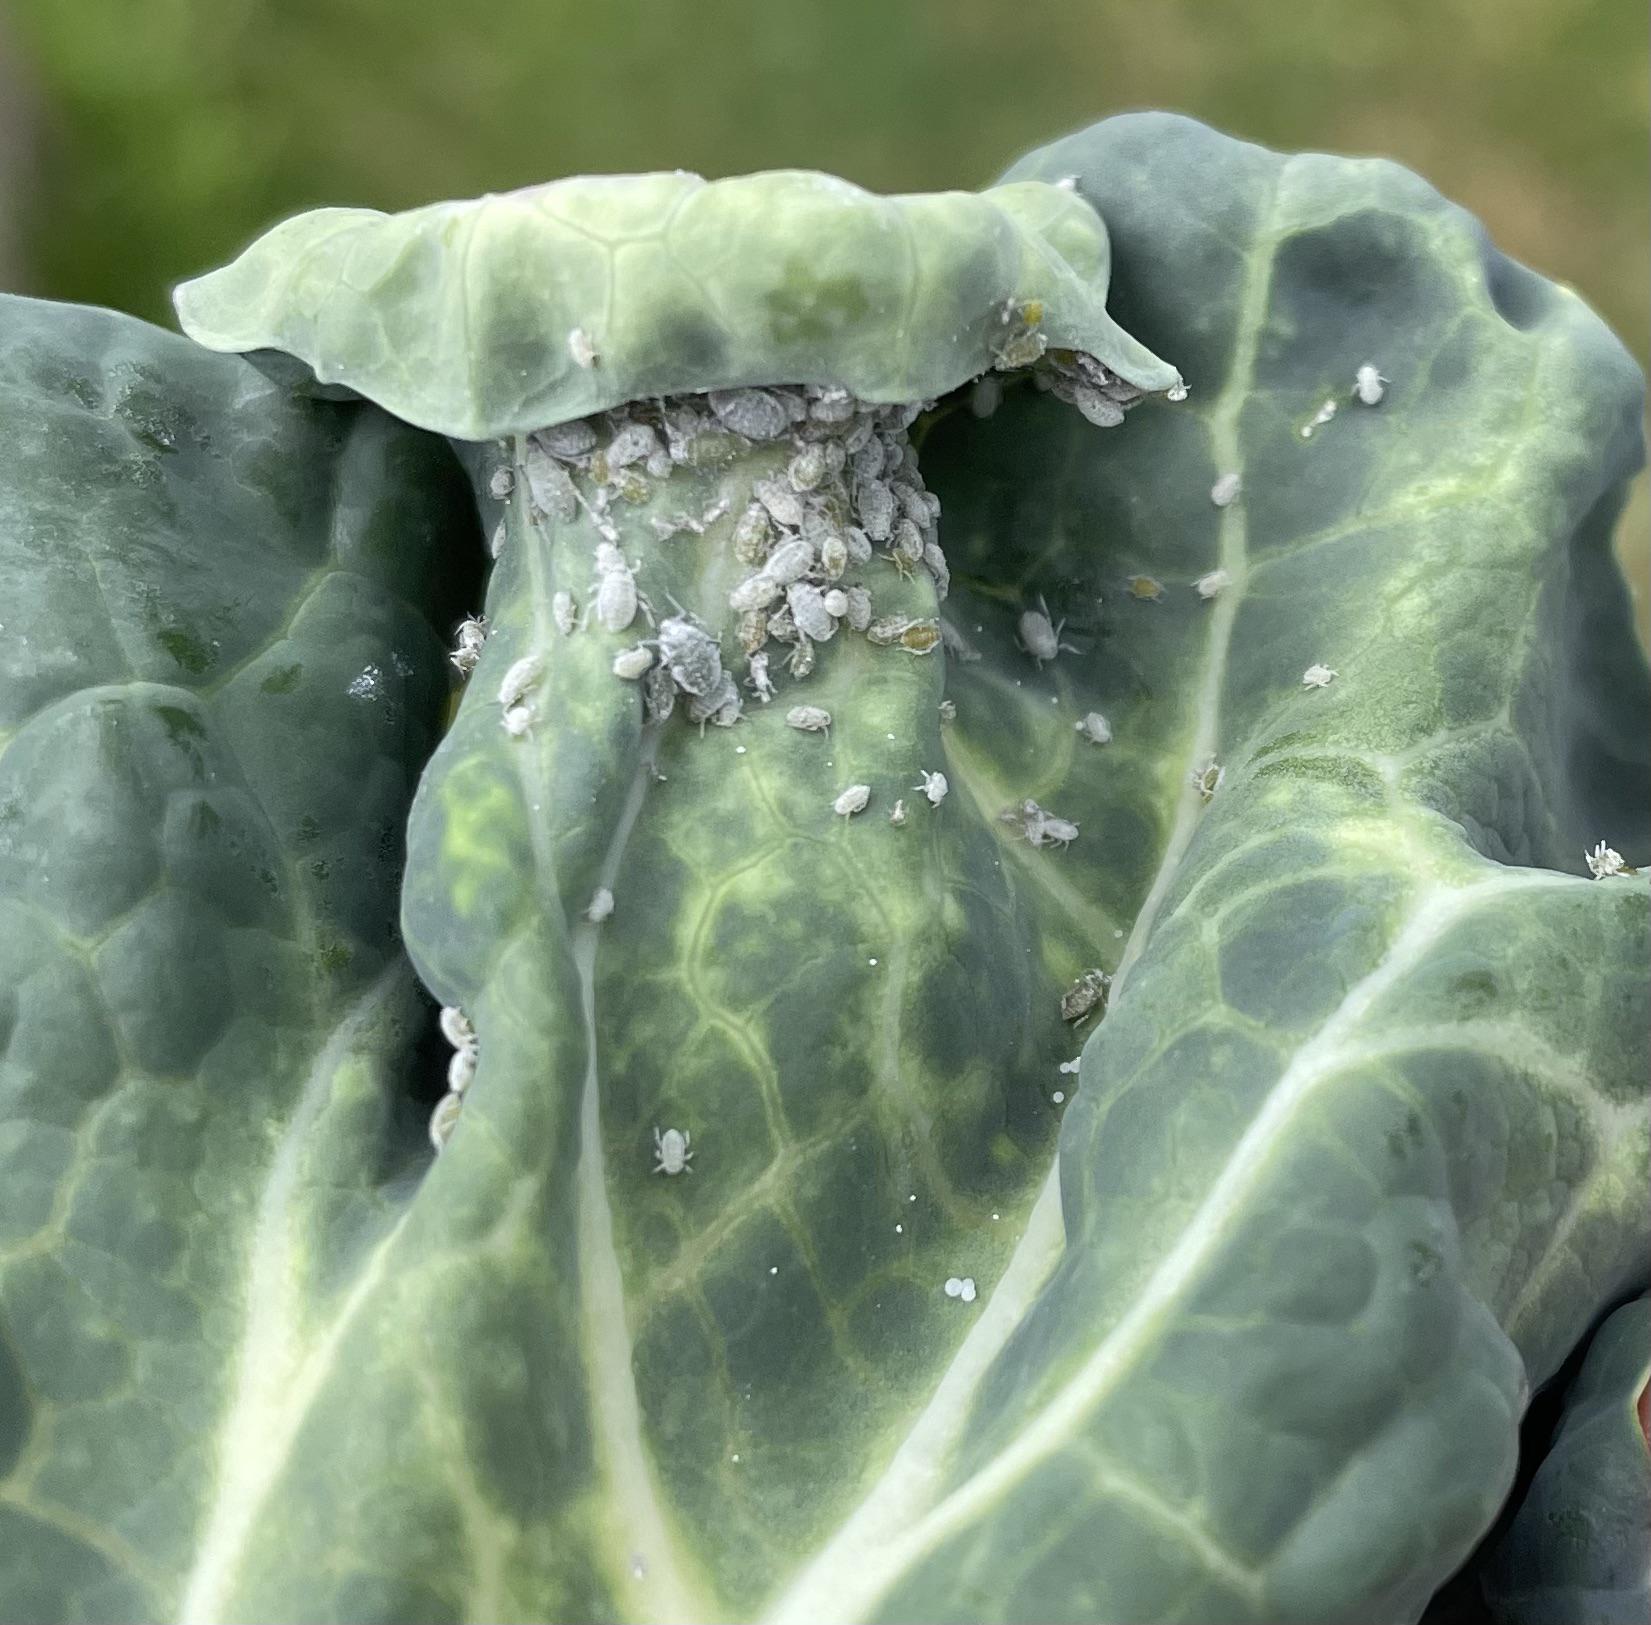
[662,1593]
[1234,559]
[278,1370]
[1061,1418]
[908,1482]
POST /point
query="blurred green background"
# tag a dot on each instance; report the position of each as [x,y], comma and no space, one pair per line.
[142,141]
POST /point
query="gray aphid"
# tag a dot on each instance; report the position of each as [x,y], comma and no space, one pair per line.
[753,630]
[858,544]
[759,682]
[631,444]
[782,503]
[549,486]
[874,503]
[616,598]
[755,592]
[809,612]
[659,693]
[721,706]
[858,613]
[808,468]
[808,718]
[752,534]
[691,654]
[567,440]
[789,562]
[634,662]
[938,568]
[754,413]
[833,557]
[907,542]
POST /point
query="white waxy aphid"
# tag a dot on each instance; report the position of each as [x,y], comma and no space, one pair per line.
[456,1029]
[759,682]
[1605,861]
[582,347]
[616,598]
[631,444]
[808,611]
[517,719]
[897,813]
[933,786]
[1317,676]
[632,664]
[564,612]
[501,482]
[811,719]
[672,1152]
[755,592]
[833,556]
[1225,490]
[722,707]
[1206,780]
[1178,391]
[600,906]
[1053,831]
[692,655]
[468,650]
[1214,582]
[874,505]
[853,800]
[519,679]
[1369,385]
[1040,639]
[789,562]
[1095,728]
[836,602]
[443,1120]
[858,613]
[808,468]
[753,534]
[754,413]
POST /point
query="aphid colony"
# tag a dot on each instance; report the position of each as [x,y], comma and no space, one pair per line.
[850,494]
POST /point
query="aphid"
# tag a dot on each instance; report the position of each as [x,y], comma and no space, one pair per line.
[1095,404]
[1209,585]
[808,468]
[800,662]
[517,719]
[867,458]
[906,543]
[633,663]
[852,800]
[783,504]
[456,1029]
[948,710]
[1605,861]
[832,405]
[789,562]
[1095,728]
[1061,832]
[671,1151]
[833,556]
[616,597]
[471,636]
[1317,676]
[501,482]
[875,507]
[759,682]
[600,907]
[935,560]
[566,441]
[753,413]
[1085,995]
[1040,639]
[781,626]
[808,719]
[522,675]
[1206,780]
[836,602]
[630,445]
[721,707]
[809,612]
[659,694]
[495,542]
[583,349]
[933,786]
[1369,385]
[1149,589]
[753,630]
[754,593]
[1178,391]
[752,534]
[858,613]
[897,813]
[550,487]
[1225,490]
[564,612]
[443,1119]
[858,545]
[692,655]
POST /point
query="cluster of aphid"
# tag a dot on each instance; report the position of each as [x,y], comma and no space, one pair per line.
[1038,827]
[461,1069]
[851,492]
